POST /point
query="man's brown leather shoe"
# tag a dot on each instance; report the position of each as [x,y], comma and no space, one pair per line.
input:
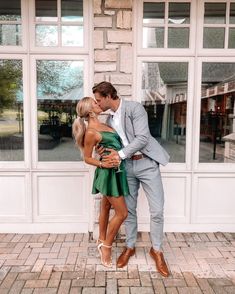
[124,257]
[160,262]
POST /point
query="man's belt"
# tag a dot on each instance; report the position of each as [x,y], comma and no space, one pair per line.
[138,156]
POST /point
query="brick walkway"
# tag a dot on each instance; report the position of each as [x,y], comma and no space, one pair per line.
[59,263]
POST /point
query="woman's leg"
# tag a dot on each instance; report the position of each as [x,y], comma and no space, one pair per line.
[104,218]
[120,215]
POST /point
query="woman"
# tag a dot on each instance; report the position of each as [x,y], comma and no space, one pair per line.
[108,181]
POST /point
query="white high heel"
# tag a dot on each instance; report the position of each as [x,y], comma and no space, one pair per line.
[104,263]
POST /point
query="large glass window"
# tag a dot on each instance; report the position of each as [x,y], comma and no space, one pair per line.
[166,24]
[164,96]
[11,111]
[59,27]
[217,129]
[10,23]
[59,87]
[219,21]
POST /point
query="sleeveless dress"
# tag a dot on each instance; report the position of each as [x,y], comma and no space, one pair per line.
[106,180]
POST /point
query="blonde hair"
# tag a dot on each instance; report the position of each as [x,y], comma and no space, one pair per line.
[83,109]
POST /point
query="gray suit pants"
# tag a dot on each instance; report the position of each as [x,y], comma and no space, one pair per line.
[145,172]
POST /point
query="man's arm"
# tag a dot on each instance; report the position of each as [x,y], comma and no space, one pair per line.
[140,126]
[141,131]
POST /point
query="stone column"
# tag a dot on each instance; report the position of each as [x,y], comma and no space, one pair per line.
[113,53]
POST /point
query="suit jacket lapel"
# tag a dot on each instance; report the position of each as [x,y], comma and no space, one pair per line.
[123,115]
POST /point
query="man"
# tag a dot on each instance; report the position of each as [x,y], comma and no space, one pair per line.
[142,154]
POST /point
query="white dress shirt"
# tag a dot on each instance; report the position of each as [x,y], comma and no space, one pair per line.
[116,124]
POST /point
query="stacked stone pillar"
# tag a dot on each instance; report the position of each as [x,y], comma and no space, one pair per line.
[113,52]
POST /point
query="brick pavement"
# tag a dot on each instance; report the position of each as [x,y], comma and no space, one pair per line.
[68,263]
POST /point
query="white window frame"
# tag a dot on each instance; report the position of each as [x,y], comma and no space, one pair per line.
[165,51]
[60,49]
[25,163]
[17,48]
[179,166]
[212,51]
[54,165]
[205,166]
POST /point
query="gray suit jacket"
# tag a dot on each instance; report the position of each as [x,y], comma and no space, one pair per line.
[135,125]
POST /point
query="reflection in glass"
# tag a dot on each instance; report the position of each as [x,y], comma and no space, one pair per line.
[46,10]
[10,35]
[46,35]
[232,13]
[11,111]
[215,13]
[178,37]
[72,36]
[72,10]
[164,96]
[213,38]
[179,13]
[153,13]
[231,38]
[153,37]
[217,128]
[59,86]
[10,10]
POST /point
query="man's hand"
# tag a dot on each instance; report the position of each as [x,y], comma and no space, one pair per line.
[99,149]
[113,157]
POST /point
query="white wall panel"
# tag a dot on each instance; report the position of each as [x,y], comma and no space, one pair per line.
[15,203]
[61,197]
[214,199]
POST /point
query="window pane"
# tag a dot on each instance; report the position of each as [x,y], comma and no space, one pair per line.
[232,13]
[179,13]
[46,35]
[178,38]
[215,13]
[154,13]
[10,10]
[10,35]
[59,86]
[11,111]
[72,10]
[164,96]
[153,37]
[217,129]
[72,36]
[231,40]
[213,38]
[46,10]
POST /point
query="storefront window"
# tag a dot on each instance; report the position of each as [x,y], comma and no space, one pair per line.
[160,31]
[217,25]
[59,87]
[164,96]
[11,111]
[10,23]
[59,27]
[217,130]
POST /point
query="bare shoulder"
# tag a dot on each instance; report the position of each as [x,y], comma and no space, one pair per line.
[92,136]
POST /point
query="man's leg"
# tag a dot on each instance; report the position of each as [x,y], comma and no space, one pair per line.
[150,179]
[131,202]
[131,220]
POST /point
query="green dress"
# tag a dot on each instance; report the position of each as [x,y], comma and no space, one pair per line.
[106,180]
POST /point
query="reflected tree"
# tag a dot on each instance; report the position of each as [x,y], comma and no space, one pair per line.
[10,82]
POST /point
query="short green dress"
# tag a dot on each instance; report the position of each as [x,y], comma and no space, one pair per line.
[108,181]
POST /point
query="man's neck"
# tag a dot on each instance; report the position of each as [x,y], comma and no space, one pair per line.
[115,104]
